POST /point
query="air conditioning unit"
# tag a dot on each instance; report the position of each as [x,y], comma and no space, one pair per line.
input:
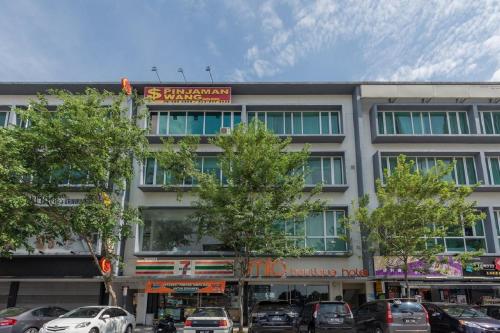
[225,130]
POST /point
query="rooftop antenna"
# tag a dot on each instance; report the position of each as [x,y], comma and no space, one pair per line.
[180,70]
[208,69]
[155,69]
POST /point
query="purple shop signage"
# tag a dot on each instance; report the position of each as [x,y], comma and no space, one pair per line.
[390,267]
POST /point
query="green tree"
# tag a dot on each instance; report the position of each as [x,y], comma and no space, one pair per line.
[262,184]
[83,148]
[414,208]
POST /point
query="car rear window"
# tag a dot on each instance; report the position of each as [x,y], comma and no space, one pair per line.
[11,312]
[406,307]
[278,306]
[462,311]
[334,308]
[208,313]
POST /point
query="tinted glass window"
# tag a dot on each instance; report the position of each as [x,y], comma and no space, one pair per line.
[209,313]
[273,307]
[462,311]
[56,312]
[89,312]
[334,308]
[42,312]
[406,307]
[119,313]
[11,312]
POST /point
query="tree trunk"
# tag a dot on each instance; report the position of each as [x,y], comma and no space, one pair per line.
[107,278]
[241,285]
[407,284]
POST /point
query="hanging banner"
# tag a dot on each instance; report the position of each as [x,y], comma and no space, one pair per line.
[391,267]
[185,267]
[188,95]
[185,287]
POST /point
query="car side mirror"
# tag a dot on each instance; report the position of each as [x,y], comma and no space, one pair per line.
[106,316]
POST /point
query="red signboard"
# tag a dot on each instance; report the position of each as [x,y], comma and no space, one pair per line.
[188,95]
[185,286]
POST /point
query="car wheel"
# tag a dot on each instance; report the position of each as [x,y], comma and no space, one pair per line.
[129,329]
[94,330]
[378,330]
[310,330]
[31,330]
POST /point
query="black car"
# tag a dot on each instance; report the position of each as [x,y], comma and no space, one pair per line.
[323,317]
[273,316]
[27,320]
[392,316]
[492,310]
[446,318]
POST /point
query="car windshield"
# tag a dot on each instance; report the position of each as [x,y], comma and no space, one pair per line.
[277,306]
[327,309]
[462,311]
[11,312]
[406,307]
[208,312]
[89,312]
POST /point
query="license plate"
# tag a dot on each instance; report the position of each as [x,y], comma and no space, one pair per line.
[409,321]
[335,320]
[277,318]
[204,331]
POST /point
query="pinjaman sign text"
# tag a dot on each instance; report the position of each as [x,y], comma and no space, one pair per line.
[188,95]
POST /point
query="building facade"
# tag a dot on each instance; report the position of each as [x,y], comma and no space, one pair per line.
[355,130]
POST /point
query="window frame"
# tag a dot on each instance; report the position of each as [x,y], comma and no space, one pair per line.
[7,117]
[491,179]
[436,158]
[332,171]
[421,115]
[325,237]
[256,114]
[481,119]
[186,114]
[464,238]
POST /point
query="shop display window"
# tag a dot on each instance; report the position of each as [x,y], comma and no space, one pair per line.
[299,294]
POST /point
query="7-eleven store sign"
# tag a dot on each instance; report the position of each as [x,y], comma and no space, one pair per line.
[184,267]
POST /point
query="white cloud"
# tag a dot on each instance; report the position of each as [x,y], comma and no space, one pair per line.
[212,47]
[398,40]
[496,76]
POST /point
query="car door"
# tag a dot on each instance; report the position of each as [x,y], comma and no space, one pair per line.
[360,318]
[43,315]
[121,319]
[438,319]
[108,324]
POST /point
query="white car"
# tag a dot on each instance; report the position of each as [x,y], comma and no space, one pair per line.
[208,320]
[92,319]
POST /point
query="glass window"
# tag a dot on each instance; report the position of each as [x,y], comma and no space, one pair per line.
[380,122]
[494,170]
[275,122]
[325,123]
[439,124]
[452,117]
[288,123]
[149,171]
[389,123]
[496,122]
[163,123]
[417,122]
[338,171]
[297,122]
[490,122]
[236,118]
[311,122]
[460,239]
[226,120]
[335,120]
[313,176]
[314,225]
[4,116]
[463,174]
[177,123]
[170,229]
[463,121]
[213,122]
[403,123]
[327,171]
[195,123]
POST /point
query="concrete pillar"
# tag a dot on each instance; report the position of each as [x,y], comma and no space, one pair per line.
[335,289]
[370,291]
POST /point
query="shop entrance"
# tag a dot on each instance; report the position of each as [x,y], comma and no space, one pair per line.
[179,299]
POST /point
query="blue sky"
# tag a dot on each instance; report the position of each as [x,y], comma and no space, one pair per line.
[252,40]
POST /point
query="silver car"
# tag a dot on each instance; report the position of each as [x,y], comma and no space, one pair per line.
[392,316]
[26,320]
